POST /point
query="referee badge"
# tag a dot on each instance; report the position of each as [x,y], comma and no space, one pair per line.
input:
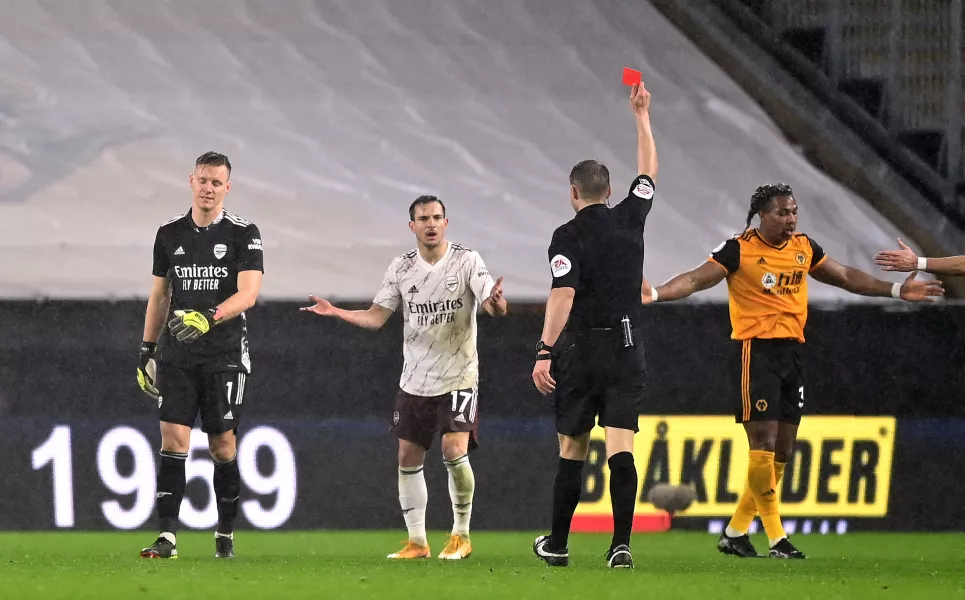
[220,250]
[395,418]
[560,265]
[643,189]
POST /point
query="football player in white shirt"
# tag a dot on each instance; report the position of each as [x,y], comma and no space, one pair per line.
[440,287]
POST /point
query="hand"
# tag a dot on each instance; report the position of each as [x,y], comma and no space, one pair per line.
[322,307]
[497,293]
[897,260]
[541,377]
[920,291]
[189,325]
[646,292]
[639,99]
[147,370]
[495,296]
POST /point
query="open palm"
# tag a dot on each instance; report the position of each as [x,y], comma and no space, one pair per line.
[322,307]
[897,260]
[920,291]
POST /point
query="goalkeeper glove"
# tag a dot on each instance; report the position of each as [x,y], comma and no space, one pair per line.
[189,325]
[147,370]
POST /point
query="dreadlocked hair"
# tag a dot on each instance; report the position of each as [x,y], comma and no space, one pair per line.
[763,195]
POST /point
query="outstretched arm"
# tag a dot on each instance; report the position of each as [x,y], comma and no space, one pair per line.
[703,277]
[858,282]
[905,260]
[373,318]
[646,146]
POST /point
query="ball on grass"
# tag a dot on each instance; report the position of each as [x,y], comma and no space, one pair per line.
[671,498]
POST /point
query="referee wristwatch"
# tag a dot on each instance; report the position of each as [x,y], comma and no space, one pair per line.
[540,347]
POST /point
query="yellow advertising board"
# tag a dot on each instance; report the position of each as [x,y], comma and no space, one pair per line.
[840,467]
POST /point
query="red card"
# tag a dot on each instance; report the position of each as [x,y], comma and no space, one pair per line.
[631,77]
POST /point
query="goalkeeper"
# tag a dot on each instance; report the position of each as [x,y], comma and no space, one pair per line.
[207,273]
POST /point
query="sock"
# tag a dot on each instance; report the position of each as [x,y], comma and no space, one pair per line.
[744,515]
[566,495]
[227,487]
[623,496]
[747,507]
[413,497]
[760,479]
[462,484]
[778,473]
[170,489]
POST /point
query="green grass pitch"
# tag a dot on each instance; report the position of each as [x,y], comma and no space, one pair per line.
[350,564]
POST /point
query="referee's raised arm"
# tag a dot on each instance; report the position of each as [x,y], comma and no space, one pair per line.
[646,148]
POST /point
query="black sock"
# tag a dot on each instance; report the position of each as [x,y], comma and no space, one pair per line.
[623,496]
[566,495]
[227,486]
[170,489]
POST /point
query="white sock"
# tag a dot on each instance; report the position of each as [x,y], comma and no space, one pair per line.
[413,497]
[462,484]
[731,532]
[169,537]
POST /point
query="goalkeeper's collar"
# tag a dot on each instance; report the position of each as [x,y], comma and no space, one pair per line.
[206,227]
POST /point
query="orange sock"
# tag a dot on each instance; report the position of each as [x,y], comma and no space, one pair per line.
[778,473]
[745,513]
[763,485]
[747,506]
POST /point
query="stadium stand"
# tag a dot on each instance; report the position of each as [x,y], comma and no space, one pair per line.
[337,114]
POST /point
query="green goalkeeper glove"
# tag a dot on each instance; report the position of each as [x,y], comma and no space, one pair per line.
[147,370]
[189,325]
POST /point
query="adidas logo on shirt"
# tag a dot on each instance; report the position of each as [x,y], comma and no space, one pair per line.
[762,261]
[413,290]
[179,251]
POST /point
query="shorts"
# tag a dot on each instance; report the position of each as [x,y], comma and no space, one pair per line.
[186,393]
[597,380]
[771,381]
[419,418]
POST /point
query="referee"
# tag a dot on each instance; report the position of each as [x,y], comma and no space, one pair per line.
[595,369]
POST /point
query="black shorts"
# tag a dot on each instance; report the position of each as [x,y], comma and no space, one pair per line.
[186,393]
[771,381]
[597,380]
[419,418]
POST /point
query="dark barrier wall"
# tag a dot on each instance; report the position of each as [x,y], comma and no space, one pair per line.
[77,359]
[315,448]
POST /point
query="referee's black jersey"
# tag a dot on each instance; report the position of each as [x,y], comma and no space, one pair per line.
[600,254]
[202,264]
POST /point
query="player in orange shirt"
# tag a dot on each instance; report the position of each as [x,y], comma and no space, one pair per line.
[766,270]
